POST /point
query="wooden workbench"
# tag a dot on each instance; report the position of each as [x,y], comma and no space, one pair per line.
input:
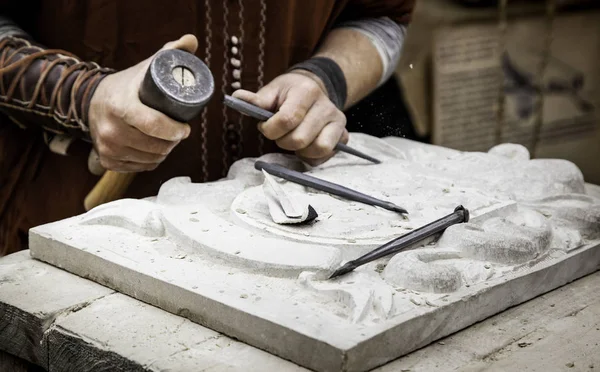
[59,321]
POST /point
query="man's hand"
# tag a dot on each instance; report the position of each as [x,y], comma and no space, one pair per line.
[305,120]
[128,135]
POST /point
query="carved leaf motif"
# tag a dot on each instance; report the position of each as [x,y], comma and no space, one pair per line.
[366,297]
[138,216]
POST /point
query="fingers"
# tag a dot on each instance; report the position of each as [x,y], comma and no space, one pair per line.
[118,157]
[291,113]
[156,124]
[125,167]
[294,95]
[266,98]
[128,135]
[315,161]
[320,114]
[306,122]
[135,139]
[325,142]
[123,146]
[128,154]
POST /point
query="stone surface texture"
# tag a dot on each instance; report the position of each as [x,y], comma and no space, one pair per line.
[212,253]
[24,323]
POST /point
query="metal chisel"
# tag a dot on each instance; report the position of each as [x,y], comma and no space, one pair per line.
[258,113]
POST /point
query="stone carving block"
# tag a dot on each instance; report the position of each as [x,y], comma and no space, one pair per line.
[212,253]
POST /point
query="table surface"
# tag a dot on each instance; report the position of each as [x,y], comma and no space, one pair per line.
[62,322]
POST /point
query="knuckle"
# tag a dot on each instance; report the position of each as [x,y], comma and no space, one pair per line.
[322,147]
[310,86]
[269,131]
[290,120]
[105,131]
[116,110]
[298,142]
[149,123]
[332,111]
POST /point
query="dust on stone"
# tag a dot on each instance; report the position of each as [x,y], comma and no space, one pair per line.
[428,303]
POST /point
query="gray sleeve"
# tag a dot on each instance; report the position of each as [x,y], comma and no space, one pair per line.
[9,28]
[387,37]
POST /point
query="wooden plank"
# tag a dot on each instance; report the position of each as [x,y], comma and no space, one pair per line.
[97,330]
[119,333]
[11,363]
[570,343]
[32,296]
[109,331]
[565,319]
[68,352]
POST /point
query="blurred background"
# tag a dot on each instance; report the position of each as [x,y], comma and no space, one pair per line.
[475,73]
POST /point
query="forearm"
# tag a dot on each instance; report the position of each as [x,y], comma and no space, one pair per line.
[45,88]
[367,51]
[358,59]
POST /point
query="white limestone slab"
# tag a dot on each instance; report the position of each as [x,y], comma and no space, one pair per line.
[211,253]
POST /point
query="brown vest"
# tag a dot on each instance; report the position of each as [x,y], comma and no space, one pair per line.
[37,186]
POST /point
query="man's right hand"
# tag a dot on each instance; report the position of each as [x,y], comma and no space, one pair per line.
[128,135]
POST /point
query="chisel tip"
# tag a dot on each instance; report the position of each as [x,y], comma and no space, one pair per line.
[343,270]
[402,211]
[399,209]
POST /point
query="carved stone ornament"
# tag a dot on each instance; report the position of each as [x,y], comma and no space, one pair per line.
[212,253]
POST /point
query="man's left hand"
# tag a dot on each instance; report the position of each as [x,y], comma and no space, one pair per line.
[305,120]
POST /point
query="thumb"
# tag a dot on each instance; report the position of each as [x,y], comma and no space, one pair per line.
[187,42]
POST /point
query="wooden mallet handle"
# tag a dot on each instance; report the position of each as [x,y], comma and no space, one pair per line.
[178,84]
